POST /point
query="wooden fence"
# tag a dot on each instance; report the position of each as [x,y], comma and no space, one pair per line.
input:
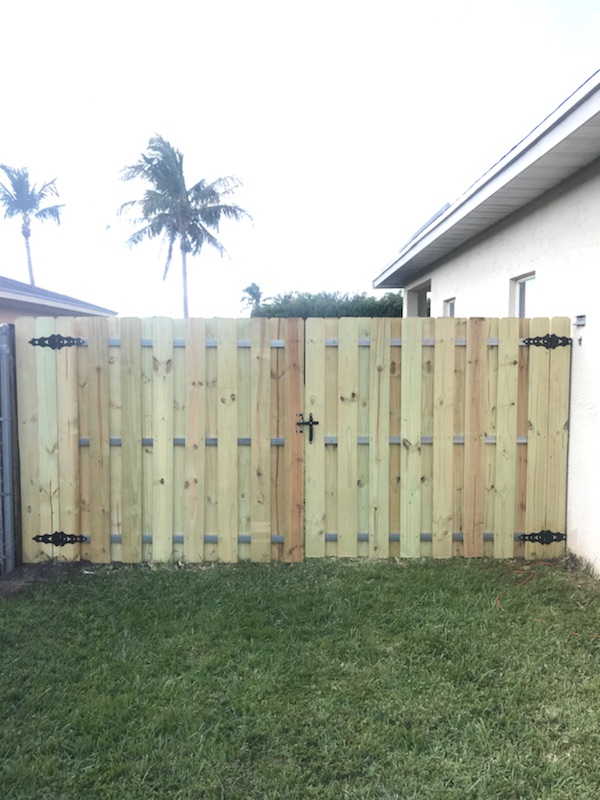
[163,439]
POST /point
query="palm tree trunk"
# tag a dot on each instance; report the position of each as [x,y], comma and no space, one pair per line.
[26,234]
[184,279]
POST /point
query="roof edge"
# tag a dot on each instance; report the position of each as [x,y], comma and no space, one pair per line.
[547,134]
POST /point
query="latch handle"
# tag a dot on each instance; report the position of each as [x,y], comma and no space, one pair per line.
[311,422]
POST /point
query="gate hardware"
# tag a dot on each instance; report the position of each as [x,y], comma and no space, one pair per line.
[310,422]
[543,537]
[550,341]
[58,538]
[56,341]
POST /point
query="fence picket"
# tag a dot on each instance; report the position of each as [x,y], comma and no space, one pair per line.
[227,435]
[475,409]
[260,473]
[410,458]
[294,392]
[47,400]
[347,437]
[131,433]
[315,482]
[95,478]
[194,502]
[162,435]
[68,439]
[558,425]
[443,431]
[505,491]
[395,431]
[537,437]
[379,435]
[27,406]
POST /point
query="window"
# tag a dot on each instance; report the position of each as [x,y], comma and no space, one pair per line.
[449,306]
[522,299]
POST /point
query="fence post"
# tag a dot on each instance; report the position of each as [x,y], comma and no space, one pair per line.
[7,518]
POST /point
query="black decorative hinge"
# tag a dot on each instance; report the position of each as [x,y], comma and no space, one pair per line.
[550,341]
[310,422]
[543,537]
[56,341]
[58,538]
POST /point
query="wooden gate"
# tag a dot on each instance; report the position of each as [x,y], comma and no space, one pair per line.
[167,439]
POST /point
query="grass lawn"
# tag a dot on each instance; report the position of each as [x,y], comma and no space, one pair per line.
[321,680]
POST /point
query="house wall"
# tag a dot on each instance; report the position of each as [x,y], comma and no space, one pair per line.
[558,238]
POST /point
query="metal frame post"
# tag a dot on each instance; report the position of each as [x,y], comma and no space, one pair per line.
[7,523]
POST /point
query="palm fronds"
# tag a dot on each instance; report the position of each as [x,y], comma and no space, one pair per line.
[189,217]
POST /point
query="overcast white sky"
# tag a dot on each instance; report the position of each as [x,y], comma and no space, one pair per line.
[350,124]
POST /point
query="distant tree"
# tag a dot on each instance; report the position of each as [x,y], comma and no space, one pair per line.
[330,304]
[252,297]
[177,214]
[22,199]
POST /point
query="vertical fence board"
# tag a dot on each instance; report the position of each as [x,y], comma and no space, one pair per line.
[443,432]
[147,435]
[211,550]
[94,395]
[260,473]
[331,428]
[558,432]
[179,427]
[27,406]
[195,442]
[427,381]
[476,377]
[523,432]
[227,424]
[410,459]
[131,433]
[379,435]
[47,400]
[506,439]
[315,483]
[460,371]
[395,374]
[162,434]
[279,489]
[537,439]
[363,478]
[244,457]
[347,436]
[489,429]
[294,372]
[115,416]
[69,519]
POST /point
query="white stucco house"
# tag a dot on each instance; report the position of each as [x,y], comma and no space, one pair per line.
[524,240]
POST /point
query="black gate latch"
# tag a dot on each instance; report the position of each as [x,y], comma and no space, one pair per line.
[310,422]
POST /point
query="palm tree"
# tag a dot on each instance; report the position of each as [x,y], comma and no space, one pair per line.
[21,198]
[173,211]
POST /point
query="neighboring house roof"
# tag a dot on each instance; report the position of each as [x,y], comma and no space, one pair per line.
[565,142]
[31,300]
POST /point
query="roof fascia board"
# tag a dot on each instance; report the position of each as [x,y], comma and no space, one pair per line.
[21,299]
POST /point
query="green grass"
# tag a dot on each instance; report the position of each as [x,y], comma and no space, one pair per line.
[322,680]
